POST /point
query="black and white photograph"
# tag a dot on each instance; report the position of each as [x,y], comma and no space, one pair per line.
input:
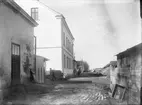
[70,52]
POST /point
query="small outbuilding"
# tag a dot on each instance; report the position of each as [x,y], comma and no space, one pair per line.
[40,68]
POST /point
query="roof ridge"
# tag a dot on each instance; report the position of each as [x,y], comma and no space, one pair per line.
[58,13]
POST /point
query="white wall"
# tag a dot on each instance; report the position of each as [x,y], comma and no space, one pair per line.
[13,28]
[48,33]
[65,51]
[54,56]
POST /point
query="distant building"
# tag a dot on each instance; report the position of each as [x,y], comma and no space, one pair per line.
[110,70]
[16,44]
[40,69]
[97,70]
[129,64]
[75,67]
[80,66]
[54,38]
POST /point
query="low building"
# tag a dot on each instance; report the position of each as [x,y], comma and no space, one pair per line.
[16,44]
[129,64]
[97,70]
[40,68]
[110,70]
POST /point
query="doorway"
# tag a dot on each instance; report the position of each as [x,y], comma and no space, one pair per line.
[15,64]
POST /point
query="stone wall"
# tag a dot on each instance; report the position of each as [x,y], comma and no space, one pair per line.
[130,75]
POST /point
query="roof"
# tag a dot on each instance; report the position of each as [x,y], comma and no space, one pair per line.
[46,59]
[97,69]
[106,65]
[134,49]
[113,63]
[60,16]
[15,6]
[52,10]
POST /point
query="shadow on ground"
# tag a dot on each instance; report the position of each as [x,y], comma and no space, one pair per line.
[91,74]
[22,92]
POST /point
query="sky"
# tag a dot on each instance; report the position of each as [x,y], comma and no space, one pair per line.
[101,28]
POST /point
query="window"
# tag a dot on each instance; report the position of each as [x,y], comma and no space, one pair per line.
[70,63]
[15,49]
[72,48]
[64,61]
[67,62]
[69,45]
[64,39]
[34,13]
[66,42]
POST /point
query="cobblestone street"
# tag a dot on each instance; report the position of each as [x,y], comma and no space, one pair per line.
[68,93]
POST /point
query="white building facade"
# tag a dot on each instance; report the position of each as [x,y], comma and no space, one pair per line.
[54,38]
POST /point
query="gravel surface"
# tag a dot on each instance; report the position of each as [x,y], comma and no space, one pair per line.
[66,93]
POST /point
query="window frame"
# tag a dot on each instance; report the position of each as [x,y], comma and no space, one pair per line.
[35,13]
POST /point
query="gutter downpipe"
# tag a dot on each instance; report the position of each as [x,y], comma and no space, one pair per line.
[35,53]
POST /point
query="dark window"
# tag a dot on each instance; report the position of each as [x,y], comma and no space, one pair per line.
[64,61]
[64,39]
[34,13]
[67,62]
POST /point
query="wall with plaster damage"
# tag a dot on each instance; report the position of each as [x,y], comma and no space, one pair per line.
[13,29]
[130,66]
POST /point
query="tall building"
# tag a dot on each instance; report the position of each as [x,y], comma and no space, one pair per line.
[54,38]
